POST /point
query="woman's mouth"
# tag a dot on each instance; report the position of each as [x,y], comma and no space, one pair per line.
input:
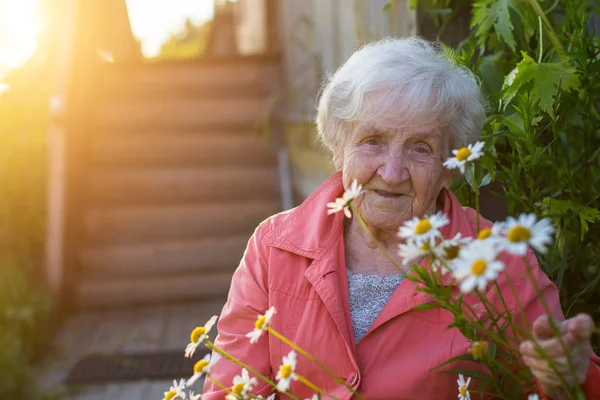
[388,195]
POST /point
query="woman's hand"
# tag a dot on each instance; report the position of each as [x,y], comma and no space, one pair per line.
[575,334]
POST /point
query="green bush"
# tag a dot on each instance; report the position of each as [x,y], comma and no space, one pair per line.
[27,308]
[539,63]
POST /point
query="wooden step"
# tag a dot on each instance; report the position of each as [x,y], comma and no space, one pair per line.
[143,224]
[148,185]
[234,111]
[201,149]
[91,292]
[193,76]
[172,257]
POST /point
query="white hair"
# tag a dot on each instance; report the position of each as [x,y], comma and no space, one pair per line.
[410,77]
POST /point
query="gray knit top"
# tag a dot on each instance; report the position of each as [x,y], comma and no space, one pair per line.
[368,294]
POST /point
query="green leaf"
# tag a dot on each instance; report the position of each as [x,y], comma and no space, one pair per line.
[426,306]
[560,209]
[485,180]
[494,13]
[587,216]
[546,80]
[386,7]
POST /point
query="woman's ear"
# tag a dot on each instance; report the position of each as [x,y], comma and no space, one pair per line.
[448,177]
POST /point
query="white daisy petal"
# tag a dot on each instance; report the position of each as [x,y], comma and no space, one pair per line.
[261,325]
[525,231]
[286,372]
[477,265]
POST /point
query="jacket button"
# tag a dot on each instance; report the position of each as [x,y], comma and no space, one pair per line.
[352,379]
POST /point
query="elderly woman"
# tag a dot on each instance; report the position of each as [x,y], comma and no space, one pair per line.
[390,116]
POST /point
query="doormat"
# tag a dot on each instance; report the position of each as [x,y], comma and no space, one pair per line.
[94,369]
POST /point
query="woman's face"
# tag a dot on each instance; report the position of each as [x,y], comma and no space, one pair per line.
[400,168]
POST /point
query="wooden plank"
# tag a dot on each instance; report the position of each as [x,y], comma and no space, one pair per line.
[216,148]
[173,78]
[234,111]
[165,257]
[146,185]
[121,225]
[151,290]
[137,390]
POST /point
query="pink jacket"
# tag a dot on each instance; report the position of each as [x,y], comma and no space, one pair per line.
[295,262]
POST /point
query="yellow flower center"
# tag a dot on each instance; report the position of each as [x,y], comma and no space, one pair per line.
[170,394]
[463,154]
[286,371]
[518,234]
[239,388]
[478,349]
[422,227]
[425,247]
[484,233]
[199,366]
[451,252]
[478,267]
[260,322]
[463,391]
[196,333]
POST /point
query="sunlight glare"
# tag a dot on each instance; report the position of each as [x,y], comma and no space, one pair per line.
[20,25]
[154,21]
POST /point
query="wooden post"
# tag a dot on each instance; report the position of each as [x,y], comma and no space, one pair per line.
[62,48]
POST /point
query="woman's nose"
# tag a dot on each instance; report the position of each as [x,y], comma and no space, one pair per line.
[394,170]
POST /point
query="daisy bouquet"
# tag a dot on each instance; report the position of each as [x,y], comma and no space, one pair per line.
[463,275]
[475,265]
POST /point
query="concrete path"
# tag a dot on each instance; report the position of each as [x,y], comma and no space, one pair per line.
[134,330]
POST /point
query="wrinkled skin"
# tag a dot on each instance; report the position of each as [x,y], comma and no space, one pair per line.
[401,170]
[575,334]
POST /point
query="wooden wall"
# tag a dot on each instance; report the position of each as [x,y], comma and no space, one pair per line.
[317,36]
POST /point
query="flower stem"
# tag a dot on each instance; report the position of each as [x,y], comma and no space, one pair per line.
[311,358]
[554,329]
[212,346]
[553,38]
[313,386]
[219,384]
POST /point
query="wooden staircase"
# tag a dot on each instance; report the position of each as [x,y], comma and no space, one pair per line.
[174,180]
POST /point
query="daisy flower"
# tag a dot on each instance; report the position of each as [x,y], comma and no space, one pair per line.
[411,251]
[343,203]
[533,396]
[199,335]
[176,391]
[203,367]
[271,397]
[478,349]
[448,250]
[464,155]
[424,230]
[286,372]
[315,397]
[477,265]
[261,324]
[463,387]
[524,231]
[241,386]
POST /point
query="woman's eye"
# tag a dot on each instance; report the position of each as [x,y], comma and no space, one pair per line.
[372,142]
[421,150]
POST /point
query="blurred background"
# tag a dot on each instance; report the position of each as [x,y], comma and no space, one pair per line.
[141,142]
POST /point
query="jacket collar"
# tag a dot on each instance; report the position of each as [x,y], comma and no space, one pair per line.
[307,230]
